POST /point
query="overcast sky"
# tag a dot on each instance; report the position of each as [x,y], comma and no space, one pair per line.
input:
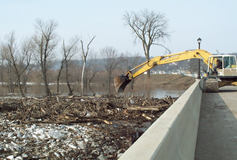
[213,20]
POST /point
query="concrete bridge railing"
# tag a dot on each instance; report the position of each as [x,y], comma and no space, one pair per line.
[173,136]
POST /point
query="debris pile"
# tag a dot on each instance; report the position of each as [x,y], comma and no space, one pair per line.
[74,127]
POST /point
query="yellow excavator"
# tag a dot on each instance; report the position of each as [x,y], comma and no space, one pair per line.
[221,69]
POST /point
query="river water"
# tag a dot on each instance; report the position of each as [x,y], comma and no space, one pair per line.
[157,93]
[160,93]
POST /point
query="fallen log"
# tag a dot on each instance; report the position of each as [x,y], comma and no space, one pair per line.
[147,108]
[70,121]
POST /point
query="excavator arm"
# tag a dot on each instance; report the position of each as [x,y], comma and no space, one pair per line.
[122,81]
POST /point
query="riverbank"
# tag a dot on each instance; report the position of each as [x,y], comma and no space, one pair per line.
[166,81]
[159,85]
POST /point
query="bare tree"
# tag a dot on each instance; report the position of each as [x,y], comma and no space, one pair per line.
[84,58]
[68,52]
[19,59]
[149,27]
[25,60]
[111,62]
[45,41]
[8,64]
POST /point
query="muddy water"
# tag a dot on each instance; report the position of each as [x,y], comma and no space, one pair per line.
[159,93]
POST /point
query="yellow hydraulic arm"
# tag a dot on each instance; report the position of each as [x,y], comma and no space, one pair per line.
[122,81]
[181,56]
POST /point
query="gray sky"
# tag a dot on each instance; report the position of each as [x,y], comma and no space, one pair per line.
[212,20]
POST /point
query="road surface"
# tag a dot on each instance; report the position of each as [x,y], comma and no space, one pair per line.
[217,134]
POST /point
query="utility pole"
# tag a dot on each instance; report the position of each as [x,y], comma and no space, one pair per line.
[199,61]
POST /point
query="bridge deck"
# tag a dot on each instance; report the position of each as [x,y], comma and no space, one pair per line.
[217,134]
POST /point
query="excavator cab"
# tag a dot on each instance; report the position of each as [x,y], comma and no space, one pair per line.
[223,65]
[222,71]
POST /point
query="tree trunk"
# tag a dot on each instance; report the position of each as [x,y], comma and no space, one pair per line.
[58,77]
[18,76]
[25,83]
[147,79]
[85,82]
[148,59]
[47,90]
[46,85]
[82,77]
[19,85]
[57,85]
[70,91]
[109,81]
[109,86]
[89,83]
[148,74]
[10,83]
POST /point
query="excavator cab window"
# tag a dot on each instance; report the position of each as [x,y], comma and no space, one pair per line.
[229,62]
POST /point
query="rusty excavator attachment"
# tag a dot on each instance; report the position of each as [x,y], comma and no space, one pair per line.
[120,82]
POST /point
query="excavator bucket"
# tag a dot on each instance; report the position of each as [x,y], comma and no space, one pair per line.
[120,83]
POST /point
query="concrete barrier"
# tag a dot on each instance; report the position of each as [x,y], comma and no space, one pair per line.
[172,136]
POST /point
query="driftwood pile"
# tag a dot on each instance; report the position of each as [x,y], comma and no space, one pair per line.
[74,127]
[75,109]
